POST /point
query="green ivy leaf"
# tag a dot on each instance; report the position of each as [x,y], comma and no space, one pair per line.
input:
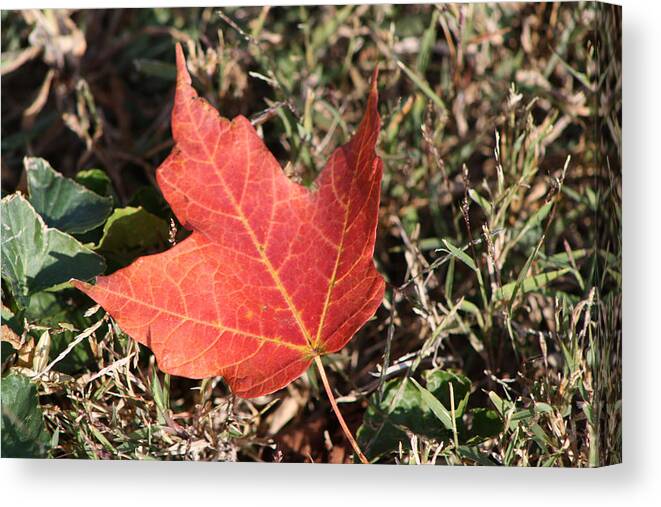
[149,198]
[438,409]
[96,180]
[63,203]
[486,424]
[401,409]
[406,408]
[438,383]
[35,257]
[130,233]
[24,433]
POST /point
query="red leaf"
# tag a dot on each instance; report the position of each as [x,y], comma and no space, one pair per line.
[273,275]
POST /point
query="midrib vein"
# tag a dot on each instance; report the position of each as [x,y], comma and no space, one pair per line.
[258,246]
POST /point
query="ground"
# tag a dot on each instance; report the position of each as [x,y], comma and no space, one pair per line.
[499,231]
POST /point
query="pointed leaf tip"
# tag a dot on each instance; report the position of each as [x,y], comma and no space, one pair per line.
[183,77]
[371,122]
[374,80]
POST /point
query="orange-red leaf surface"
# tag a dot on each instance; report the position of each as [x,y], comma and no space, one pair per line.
[273,273]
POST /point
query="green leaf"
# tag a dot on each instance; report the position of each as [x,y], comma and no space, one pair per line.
[63,203]
[540,437]
[151,199]
[508,411]
[35,257]
[501,405]
[406,408]
[460,254]
[486,424]
[43,305]
[438,383]
[481,201]
[529,284]
[564,257]
[401,409]
[437,408]
[24,433]
[96,180]
[130,233]
[543,408]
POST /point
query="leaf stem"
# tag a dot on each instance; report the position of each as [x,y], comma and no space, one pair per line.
[338,414]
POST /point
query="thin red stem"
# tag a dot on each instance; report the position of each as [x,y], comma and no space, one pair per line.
[336,409]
